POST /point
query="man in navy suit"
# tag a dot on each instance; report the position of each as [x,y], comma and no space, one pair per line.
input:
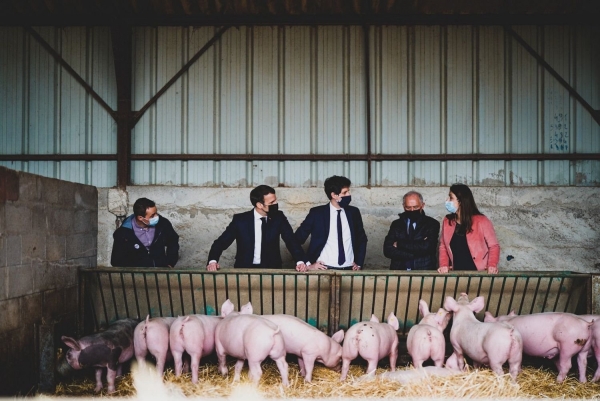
[257,234]
[337,237]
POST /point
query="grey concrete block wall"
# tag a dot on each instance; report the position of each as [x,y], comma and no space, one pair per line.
[542,228]
[48,228]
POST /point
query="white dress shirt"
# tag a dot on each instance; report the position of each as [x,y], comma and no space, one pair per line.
[329,254]
[257,237]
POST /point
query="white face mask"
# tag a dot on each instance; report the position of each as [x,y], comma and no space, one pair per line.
[451,207]
[153,221]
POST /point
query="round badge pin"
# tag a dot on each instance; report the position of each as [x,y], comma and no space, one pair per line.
[136,246]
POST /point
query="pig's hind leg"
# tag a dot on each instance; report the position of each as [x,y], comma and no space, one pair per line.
[254,370]
[99,380]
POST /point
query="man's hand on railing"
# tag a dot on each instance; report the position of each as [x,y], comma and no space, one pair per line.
[213,267]
[318,265]
[301,267]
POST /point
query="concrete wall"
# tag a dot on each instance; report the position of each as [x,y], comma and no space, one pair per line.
[543,228]
[48,228]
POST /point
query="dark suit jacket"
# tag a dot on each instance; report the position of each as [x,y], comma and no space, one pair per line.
[412,250]
[241,230]
[316,224]
[128,251]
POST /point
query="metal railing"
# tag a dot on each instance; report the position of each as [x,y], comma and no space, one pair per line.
[328,300]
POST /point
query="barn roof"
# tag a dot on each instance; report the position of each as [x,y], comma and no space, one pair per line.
[311,12]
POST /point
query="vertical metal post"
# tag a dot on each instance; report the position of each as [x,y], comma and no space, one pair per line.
[122,48]
[368,102]
[594,293]
[334,303]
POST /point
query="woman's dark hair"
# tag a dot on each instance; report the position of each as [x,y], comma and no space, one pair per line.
[468,207]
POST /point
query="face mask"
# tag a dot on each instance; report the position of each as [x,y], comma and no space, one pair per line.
[345,201]
[153,221]
[451,207]
[413,215]
[273,210]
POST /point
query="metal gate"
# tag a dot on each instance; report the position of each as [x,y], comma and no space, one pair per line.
[328,300]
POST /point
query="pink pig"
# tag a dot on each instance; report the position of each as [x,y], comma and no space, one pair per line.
[485,343]
[550,334]
[152,336]
[593,344]
[426,339]
[246,336]
[194,334]
[309,344]
[372,341]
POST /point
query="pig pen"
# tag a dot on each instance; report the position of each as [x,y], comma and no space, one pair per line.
[330,301]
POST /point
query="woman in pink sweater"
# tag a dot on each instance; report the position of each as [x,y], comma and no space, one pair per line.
[468,240]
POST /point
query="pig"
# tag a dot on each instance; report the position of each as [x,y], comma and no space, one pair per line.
[243,335]
[592,344]
[194,334]
[485,343]
[414,375]
[152,336]
[426,339]
[372,341]
[108,349]
[309,344]
[548,335]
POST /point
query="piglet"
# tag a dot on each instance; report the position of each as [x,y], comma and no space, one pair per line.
[490,344]
[592,345]
[151,336]
[246,336]
[372,341]
[426,339]
[194,334]
[309,344]
[549,335]
[411,376]
[107,349]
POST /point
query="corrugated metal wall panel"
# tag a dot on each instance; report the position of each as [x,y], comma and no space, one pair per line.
[278,90]
[12,90]
[47,112]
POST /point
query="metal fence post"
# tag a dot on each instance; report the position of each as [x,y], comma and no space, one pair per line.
[334,304]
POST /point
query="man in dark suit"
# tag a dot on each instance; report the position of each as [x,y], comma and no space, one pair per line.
[337,237]
[257,234]
[412,241]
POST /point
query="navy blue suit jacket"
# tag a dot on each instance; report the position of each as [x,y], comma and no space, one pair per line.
[316,224]
[241,230]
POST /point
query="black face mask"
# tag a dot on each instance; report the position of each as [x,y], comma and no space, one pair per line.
[413,215]
[273,209]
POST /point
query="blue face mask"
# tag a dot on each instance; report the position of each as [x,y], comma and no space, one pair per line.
[345,201]
[451,207]
[153,221]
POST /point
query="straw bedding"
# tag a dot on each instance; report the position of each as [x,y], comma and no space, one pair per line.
[473,384]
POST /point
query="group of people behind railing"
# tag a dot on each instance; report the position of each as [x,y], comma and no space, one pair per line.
[467,240]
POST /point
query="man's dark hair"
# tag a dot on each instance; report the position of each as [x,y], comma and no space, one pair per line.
[258,194]
[141,205]
[335,184]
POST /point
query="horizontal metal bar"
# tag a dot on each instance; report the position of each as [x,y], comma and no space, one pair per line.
[58,157]
[374,157]
[307,157]
[289,272]
[104,18]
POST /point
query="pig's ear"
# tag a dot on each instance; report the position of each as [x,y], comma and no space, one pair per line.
[393,321]
[226,308]
[450,304]
[374,319]
[71,343]
[512,313]
[423,308]
[338,337]
[247,309]
[477,304]
[488,317]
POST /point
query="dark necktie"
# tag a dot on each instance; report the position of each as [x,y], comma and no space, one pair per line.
[341,254]
[263,228]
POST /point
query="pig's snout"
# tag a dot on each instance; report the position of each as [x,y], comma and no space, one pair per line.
[63,367]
